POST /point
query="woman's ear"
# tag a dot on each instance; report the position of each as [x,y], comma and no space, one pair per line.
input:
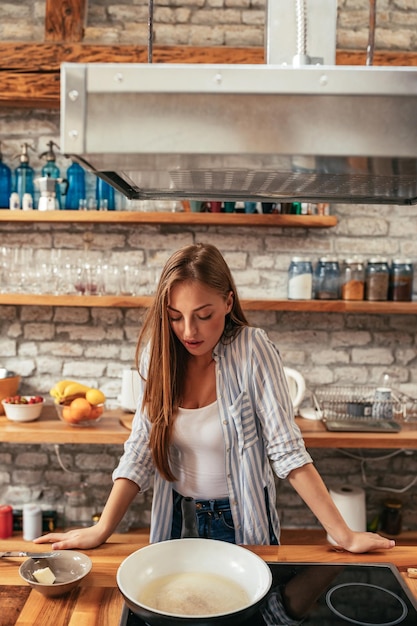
[229,301]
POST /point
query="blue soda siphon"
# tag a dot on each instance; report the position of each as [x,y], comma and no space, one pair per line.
[327,279]
[51,169]
[5,183]
[76,186]
[24,175]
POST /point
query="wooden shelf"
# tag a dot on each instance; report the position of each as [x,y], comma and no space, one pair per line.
[114,428]
[315,435]
[301,306]
[165,217]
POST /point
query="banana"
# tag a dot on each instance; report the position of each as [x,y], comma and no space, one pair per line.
[75,389]
[61,385]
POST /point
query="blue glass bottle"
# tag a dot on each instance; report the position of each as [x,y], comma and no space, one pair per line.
[51,170]
[5,183]
[76,186]
[24,175]
[104,195]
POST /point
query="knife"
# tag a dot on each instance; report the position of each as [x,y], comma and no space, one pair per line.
[31,555]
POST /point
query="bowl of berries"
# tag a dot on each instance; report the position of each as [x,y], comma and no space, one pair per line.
[22,408]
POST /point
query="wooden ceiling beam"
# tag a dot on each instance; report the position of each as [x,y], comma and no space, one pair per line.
[30,72]
[64,20]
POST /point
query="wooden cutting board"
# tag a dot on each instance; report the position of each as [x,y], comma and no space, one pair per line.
[126,420]
[12,601]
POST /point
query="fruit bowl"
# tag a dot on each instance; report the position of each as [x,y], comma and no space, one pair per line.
[22,408]
[79,414]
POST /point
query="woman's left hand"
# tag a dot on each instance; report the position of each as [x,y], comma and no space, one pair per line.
[359,542]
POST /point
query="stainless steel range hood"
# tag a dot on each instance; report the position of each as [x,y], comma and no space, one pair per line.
[273,132]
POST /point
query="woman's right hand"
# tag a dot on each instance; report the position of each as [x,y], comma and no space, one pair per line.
[81,538]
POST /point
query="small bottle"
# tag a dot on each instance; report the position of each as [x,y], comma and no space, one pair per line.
[27,202]
[6,521]
[14,201]
[377,279]
[24,175]
[391,517]
[51,169]
[401,280]
[327,279]
[32,522]
[300,279]
[76,186]
[104,195]
[5,183]
[353,280]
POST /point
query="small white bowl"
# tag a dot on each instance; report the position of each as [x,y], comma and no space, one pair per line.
[69,567]
[23,412]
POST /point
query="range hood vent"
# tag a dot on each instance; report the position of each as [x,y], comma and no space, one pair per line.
[273,132]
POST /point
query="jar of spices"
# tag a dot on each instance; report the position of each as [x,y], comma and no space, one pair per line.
[300,279]
[391,517]
[327,279]
[353,279]
[6,521]
[401,280]
[377,279]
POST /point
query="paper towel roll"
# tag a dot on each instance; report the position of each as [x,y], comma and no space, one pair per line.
[351,503]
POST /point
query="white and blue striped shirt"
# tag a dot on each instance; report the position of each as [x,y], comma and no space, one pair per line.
[256,415]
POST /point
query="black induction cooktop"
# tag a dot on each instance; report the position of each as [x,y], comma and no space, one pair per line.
[328,594]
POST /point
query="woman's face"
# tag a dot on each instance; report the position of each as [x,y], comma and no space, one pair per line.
[197,316]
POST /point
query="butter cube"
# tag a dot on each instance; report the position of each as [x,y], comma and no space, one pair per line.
[45,576]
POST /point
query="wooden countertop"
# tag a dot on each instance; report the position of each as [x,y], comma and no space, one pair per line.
[98,602]
[114,428]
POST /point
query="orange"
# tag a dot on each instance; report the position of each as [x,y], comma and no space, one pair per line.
[96,411]
[80,409]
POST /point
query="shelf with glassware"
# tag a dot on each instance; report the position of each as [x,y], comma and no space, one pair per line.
[171,217]
[308,306]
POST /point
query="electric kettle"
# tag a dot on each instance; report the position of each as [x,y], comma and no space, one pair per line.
[297,386]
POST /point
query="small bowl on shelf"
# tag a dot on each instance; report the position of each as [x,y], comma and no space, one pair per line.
[68,567]
[80,414]
[23,408]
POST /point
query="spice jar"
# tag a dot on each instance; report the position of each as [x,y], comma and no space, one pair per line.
[300,279]
[377,279]
[6,521]
[391,517]
[353,280]
[401,280]
[327,279]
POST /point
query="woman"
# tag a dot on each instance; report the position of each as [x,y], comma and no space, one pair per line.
[213,423]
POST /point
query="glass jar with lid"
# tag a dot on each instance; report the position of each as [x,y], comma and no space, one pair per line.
[300,279]
[327,279]
[401,280]
[377,279]
[353,279]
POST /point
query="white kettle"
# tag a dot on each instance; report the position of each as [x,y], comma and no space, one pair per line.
[297,386]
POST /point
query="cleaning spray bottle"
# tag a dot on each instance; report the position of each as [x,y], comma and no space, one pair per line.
[51,169]
[5,183]
[24,175]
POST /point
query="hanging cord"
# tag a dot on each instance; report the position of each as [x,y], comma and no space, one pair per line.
[364,460]
[58,456]
[371,36]
[150,31]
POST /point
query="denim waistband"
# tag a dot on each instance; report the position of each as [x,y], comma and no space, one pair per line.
[202,506]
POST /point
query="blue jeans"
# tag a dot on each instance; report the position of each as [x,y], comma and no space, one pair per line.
[214,519]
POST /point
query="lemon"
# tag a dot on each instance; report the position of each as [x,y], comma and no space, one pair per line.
[95,396]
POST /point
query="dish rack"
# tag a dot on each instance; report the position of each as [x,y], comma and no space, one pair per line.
[357,403]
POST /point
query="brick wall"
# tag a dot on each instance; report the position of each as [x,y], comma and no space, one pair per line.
[45,344]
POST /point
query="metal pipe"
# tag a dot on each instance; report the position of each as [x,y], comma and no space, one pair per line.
[371,36]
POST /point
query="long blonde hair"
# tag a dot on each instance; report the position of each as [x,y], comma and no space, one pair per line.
[168,357]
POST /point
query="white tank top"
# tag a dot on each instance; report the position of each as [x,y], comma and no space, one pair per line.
[198,456]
